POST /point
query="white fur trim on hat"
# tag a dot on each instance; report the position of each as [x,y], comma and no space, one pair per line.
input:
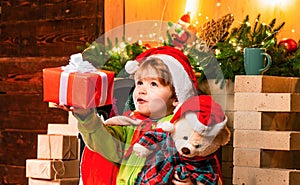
[184,88]
[131,66]
[210,130]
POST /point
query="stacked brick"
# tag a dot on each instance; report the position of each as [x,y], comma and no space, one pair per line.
[266,130]
[57,160]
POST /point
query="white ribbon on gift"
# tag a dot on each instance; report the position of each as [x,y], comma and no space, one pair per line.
[76,64]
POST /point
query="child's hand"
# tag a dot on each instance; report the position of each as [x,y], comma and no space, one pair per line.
[177,181]
[79,111]
[64,107]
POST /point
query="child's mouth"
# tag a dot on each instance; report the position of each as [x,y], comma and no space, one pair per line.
[141,101]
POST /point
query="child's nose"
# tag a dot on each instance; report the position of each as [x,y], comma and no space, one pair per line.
[142,90]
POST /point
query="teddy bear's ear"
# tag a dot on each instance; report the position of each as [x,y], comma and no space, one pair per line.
[223,136]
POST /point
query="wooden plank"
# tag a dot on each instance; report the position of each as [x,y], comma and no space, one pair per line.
[266,158]
[18,145]
[267,102]
[11,66]
[227,168]
[227,153]
[22,102]
[11,174]
[266,84]
[13,11]
[114,14]
[50,38]
[263,176]
[273,140]
[32,120]
[24,75]
[281,121]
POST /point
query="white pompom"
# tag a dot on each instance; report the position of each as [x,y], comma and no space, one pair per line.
[166,126]
[131,66]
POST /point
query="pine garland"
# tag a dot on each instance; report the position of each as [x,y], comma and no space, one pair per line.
[112,57]
[215,53]
[229,52]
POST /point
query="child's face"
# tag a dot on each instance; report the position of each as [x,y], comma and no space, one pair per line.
[153,99]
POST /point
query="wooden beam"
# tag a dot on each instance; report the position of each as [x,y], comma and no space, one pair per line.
[114,14]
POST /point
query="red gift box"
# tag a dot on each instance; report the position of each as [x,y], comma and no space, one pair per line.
[82,90]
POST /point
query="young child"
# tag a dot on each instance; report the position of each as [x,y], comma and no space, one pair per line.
[163,79]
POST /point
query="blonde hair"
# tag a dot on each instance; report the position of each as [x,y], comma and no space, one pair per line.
[161,70]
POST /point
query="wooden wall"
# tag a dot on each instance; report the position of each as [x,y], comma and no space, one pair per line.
[34,35]
[167,10]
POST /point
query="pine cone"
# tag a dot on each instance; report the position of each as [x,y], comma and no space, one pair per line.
[214,31]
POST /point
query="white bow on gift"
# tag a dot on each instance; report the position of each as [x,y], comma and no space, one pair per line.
[77,64]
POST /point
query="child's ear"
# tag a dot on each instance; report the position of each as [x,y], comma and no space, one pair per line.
[175,102]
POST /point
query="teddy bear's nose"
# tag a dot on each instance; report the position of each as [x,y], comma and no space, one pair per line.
[185,151]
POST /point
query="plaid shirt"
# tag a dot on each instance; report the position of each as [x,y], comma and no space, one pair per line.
[164,161]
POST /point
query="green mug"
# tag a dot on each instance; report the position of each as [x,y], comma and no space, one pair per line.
[256,61]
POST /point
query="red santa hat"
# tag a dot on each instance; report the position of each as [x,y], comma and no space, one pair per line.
[183,76]
[185,20]
[204,115]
